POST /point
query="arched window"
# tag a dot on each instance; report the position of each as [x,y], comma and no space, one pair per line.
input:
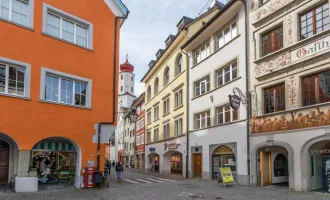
[149,93]
[280,165]
[178,68]
[156,86]
[223,156]
[166,76]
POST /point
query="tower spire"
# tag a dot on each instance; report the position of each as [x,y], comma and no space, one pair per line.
[126,56]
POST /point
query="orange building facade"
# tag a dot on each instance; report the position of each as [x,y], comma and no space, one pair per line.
[57,85]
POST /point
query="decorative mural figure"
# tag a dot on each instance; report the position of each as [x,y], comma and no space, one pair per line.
[290,29]
[313,118]
[292,92]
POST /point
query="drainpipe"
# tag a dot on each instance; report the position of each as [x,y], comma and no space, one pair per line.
[248,110]
[187,111]
[113,94]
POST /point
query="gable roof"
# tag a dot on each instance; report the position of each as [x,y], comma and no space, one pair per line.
[118,8]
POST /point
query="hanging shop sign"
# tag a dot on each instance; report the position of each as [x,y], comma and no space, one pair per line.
[171,146]
[234,101]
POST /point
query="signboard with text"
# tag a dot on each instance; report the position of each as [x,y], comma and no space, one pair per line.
[226,175]
[234,101]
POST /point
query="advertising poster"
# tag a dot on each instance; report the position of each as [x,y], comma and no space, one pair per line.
[226,175]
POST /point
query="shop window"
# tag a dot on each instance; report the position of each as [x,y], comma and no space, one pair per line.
[280,165]
[223,156]
[316,88]
[274,99]
[314,21]
[272,41]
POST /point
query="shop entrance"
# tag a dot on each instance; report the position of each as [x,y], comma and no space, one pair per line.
[319,154]
[273,166]
[197,159]
[4,161]
[56,160]
[223,156]
[176,163]
[153,162]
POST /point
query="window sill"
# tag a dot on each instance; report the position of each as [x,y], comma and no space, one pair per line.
[218,125]
[15,96]
[19,25]
[155,120]
[48,35]
[216,51]
[166,114]
[217,88]
[63,104]
[177,108]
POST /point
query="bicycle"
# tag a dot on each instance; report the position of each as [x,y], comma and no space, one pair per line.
[10,185]
[152,168]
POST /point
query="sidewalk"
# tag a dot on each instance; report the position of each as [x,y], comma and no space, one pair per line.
[175,176]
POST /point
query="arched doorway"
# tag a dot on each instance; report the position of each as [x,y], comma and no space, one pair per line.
[172,163]
[61,156]
[153,162]
[319,166]
[273,166]
[223,156]
[4,161]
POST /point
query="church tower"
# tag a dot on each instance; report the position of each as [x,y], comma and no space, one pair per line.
[126,84]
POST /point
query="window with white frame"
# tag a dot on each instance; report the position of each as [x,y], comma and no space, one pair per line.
[65,88]
[17,11]
[138,140]
[142,138]
[226,74]
[138,110]
[149,117]
[203,52]
[67,27]
[12,79]
[166,106]
[156,113]
[226,35]
[142,122]
[178,99]
[142,106]
[202,86]
[137,125]
[156,134]
[166,131]
[225,114]
[178,127]
[202,120]
[148,136]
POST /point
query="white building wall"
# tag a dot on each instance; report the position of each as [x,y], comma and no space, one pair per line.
[127,82]
[231,134]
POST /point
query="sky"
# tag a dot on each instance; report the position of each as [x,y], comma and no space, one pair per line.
[148,25]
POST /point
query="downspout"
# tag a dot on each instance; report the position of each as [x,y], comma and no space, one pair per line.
[187,111]
[247,72]
[113,94]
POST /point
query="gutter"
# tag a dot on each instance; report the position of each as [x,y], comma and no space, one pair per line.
[247,72]
[113,94]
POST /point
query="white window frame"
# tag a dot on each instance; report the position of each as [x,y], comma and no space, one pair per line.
[142,138]
[203,52]
[166,131]
[30,13]
[223,113]
[221,37]
[199,84]
[178,98]
[198,118]
[149,132]
[142,123]
[64,15]
[221,74]
[27,76]
[46,71]
[178,129]
[156,112]
[166,106]
[149,117]
[138,140]
[137,125]
[156,132]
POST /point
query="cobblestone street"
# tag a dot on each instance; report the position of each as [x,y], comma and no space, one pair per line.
[172,188]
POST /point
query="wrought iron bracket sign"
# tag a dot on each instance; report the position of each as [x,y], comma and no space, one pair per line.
[234,101]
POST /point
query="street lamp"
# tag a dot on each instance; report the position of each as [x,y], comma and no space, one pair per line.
[133,115]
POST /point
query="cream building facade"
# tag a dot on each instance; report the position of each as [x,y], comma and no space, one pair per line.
[166,101]
[289,44]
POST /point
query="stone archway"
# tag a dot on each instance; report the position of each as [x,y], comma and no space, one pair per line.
[306,156]
[255,175]
[222,156]
[172,162]
[153,161]
[71,161]
[13,153]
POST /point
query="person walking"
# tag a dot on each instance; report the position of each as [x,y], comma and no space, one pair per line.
[119,169]
[109,166]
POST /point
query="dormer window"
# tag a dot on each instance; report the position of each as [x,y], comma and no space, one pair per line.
[159,53]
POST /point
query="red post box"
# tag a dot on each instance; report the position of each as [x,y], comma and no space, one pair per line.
[89,178]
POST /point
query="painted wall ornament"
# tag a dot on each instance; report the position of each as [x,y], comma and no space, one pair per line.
[291,120]
[273,64]
[270,8]
[290,29]
[292,87]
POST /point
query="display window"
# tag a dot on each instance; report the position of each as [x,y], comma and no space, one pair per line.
[223,156]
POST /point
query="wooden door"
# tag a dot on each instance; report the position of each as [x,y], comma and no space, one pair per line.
[197,165]
[4,165]
[265,168]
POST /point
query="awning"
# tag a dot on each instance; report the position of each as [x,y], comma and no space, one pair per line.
[54,146]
